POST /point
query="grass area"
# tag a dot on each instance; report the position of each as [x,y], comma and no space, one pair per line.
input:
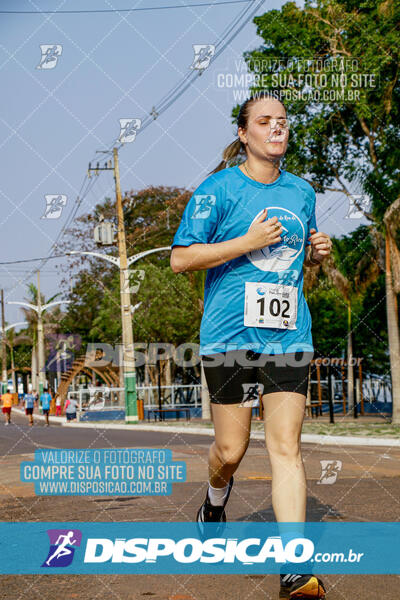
[360,428]
[363,429]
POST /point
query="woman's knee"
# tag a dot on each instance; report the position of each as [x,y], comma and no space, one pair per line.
[230,454]
[284,446]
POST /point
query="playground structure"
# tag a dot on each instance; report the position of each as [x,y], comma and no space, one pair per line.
[328,383]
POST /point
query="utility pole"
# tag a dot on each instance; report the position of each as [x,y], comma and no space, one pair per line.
[128,374]
[41,357]
[131,414]
[4,378]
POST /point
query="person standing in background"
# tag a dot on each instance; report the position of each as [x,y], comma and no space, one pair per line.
[58,406]
[45,402]
[70,409]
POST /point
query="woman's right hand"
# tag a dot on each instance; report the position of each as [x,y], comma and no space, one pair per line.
[263,233]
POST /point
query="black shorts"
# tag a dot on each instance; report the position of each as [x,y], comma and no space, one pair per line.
[29,411]
[237,376]
[46,411]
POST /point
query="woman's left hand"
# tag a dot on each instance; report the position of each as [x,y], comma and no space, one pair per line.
[321,245]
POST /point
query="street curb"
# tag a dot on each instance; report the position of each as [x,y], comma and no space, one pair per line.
[306,438]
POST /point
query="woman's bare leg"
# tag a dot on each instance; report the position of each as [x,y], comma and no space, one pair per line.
[283,419]
[232,424]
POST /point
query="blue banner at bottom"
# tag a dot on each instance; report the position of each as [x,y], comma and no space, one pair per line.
[164,548]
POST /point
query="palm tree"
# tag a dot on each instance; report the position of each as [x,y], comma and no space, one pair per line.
[13,340]
[350,270]
[391,222]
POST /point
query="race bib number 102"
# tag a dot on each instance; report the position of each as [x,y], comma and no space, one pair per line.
[270,305]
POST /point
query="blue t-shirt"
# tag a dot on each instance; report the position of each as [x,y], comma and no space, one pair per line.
[45,400]
[29,400]
[222,208]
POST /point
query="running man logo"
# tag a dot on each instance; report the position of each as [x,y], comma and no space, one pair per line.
[136,277]
[54,206]
[50,55]
[204,204]
[358,205]
[62,547]
[330,470]
[128,130]
[62,351]
[203,54]
[251,393]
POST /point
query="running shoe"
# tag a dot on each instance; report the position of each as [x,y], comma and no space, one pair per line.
[301,587]
[208,513]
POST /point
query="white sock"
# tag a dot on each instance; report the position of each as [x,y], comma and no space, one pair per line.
[217,495]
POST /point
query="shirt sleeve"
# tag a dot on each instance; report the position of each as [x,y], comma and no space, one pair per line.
[201,215]
[312,222]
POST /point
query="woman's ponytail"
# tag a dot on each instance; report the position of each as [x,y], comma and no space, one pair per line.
[230,153]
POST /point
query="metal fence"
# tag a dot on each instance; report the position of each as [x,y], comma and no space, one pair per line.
[107,398]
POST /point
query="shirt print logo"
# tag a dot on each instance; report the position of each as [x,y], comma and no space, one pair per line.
[62,547]
[204,204]
[280,257]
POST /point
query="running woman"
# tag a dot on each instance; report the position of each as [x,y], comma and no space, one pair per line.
[7,402]
[253,227]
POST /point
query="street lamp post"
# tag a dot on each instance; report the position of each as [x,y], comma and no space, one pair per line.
[128,363]
[39,309]
[4,378]
[129,373]
[131,413]
[41,356]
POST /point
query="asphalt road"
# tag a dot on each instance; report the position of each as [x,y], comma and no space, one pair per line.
[367,489]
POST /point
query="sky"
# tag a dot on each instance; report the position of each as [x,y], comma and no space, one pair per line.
[111,66]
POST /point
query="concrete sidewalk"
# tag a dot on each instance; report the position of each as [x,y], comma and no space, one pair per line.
[310,438]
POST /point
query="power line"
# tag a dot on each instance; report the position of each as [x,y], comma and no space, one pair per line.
[170,98]
[118,10]
[27,260]
[237,24]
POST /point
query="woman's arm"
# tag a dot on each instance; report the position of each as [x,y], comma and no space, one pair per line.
[205,256]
